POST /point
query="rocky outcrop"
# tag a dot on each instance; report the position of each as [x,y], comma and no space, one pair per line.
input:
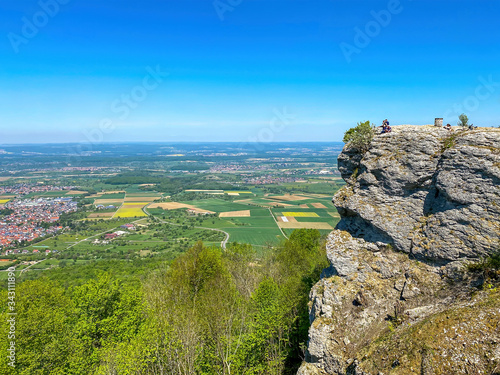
[430,193]
[397,298]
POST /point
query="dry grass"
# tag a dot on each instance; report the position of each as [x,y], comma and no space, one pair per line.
[244,213]
[106,202]
[243,201]
[303,206]
[134,204]
[318,205]
[176,205]
[333,214]
[458,340]
[76,192]
[140,199]
[300,225]
[289,197]
[317,195]
[5,178]
[278,204]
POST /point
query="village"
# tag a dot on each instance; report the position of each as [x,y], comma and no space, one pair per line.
[24,224]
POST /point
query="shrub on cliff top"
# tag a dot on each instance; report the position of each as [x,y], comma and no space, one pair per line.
[361,136]
[489,267]
[463,120]
[492,262]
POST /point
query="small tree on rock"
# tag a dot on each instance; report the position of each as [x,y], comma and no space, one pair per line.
[463,120]
[361,136]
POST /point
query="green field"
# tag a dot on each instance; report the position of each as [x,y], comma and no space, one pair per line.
[256,236]
[136,189]
[258,229]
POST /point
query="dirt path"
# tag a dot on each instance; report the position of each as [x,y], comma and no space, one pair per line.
[283,233]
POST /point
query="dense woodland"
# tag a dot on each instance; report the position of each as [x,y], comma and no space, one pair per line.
[208,311]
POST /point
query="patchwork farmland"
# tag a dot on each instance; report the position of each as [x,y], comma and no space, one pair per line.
[257,218]
[255,198]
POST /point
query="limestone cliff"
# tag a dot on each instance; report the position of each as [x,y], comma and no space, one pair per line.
[419,205]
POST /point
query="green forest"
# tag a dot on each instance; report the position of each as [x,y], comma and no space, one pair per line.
[209,311]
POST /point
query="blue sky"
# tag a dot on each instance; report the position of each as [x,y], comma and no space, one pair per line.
[256,70]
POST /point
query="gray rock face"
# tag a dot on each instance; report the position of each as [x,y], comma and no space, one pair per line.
[430,193]
[435,197]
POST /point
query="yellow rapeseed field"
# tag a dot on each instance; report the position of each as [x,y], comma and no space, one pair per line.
[300,214]
[131,209]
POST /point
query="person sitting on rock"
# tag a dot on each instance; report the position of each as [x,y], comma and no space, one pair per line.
[448,127]
[386,129]
[472,127]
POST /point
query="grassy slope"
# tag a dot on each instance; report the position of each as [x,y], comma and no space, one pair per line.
[452,342]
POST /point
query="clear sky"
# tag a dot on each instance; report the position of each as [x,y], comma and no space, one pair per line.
[232,70]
